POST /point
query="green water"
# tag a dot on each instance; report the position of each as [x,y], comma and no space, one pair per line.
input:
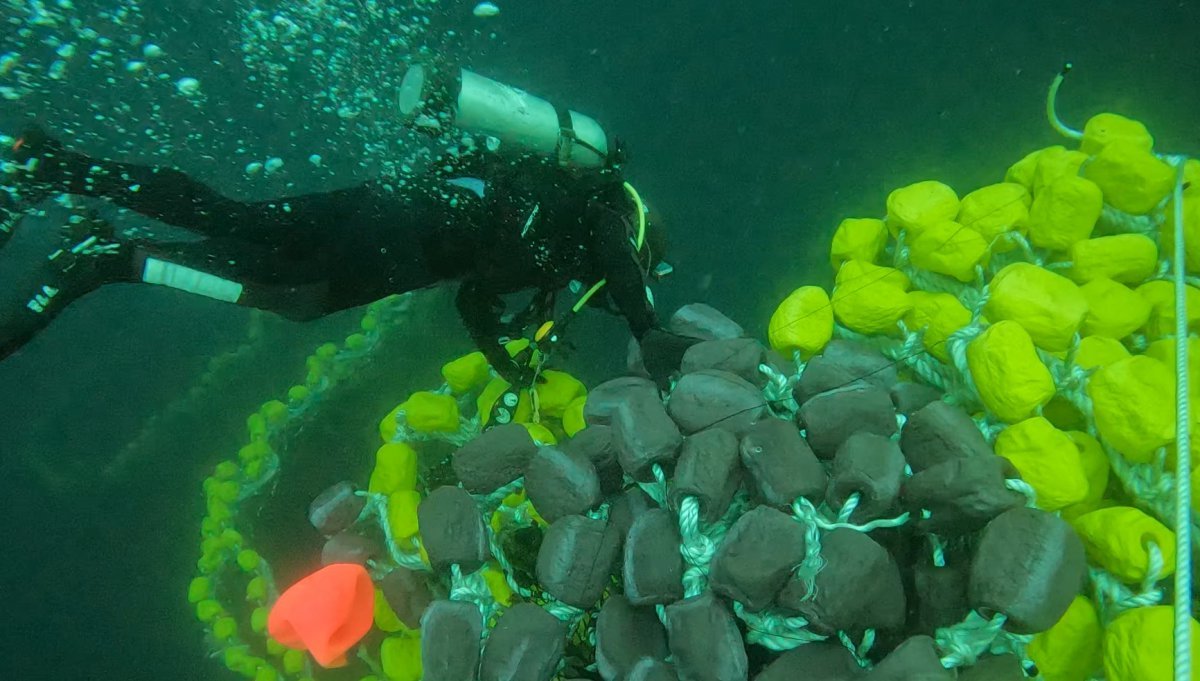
[753,126]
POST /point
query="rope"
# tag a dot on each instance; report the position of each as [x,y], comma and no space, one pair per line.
[988,427]
[773,631]
[778,391]
[1183,524]
[1113,597]
[696,547]
[1026,249]
[656,490]
[859,651]
[963,390]
[1113,221]
[377,505]
[804,510]
[813,563]
[493,501]
[966,641]
[1149,485]
[502,560]
[849,507]
[1052,112]
[1025,489]
[937,549]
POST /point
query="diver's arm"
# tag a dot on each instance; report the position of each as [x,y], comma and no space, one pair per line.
[480,308]
[298,223]
[662,350]
[616,260]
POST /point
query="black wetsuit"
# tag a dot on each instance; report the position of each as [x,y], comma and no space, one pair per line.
[536,226]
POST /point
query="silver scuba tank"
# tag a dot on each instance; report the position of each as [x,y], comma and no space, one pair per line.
[519,122]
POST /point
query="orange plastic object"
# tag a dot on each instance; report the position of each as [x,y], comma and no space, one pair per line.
[326,613]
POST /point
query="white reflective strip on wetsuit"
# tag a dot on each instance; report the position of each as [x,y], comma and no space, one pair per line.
[529,221]
[190,280]
[40,301]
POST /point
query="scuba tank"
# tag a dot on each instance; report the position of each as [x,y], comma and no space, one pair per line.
[433,99]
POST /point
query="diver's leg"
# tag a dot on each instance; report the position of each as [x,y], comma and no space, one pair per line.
[237,272]
[43,270]
[295,223]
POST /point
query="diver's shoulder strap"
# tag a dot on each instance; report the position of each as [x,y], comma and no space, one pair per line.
[568,139]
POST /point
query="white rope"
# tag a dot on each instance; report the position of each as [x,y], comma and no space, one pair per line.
[812,563]
[909,352]
[495,500]
[1113,221]
[566,613]
[966,641]
[934,282]
[778,391]
[699,544]
[1150,486]
[775,631]
[502,560]
[963,390]
[468,430]
[656,490]
[377,505]
[988,426]
[914,354]
[696,547]
[1026,248]
[1021,487]
[937,549]
[1113,597]
[859,651]
[805,511]
[1183,502]
[849,507]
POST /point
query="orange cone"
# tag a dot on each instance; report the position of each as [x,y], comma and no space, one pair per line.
[326,613]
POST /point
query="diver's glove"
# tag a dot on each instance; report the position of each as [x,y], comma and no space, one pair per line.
[515,370]
[35,143]
[25,162]
[38,164]
[517,374]
[662,353]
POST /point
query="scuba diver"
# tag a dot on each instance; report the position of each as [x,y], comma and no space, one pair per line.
[544,208]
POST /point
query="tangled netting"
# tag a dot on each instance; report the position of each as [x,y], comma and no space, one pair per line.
[961,465]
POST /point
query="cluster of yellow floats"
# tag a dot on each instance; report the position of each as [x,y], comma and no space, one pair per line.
[1043,303]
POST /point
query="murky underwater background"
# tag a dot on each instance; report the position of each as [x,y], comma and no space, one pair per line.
[753,126]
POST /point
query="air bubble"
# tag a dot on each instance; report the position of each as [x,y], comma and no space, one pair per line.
[188,86]
[486,9]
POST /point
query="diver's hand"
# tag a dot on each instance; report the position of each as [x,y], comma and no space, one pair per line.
[662,353]
[20,164]
[37,163]
[514,370]
[517,374]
